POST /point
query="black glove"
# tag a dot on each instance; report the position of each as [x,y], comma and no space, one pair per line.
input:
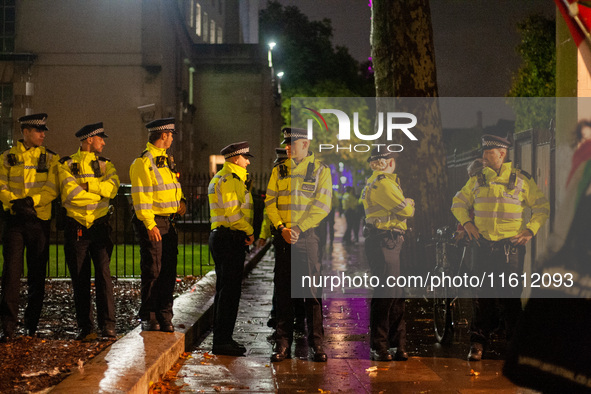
[24,207]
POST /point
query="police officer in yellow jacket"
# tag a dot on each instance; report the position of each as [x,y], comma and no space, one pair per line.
[28,185]
[88,183]
[157,197]
[230,204]
[498,194]
[387,211]
[298,198]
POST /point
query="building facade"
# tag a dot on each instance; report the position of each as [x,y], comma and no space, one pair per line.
[128,62]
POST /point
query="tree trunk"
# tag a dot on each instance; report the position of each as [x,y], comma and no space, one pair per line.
[404,65]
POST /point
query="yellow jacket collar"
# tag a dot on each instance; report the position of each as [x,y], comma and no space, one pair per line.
[20,147]
[241,172]
[155,151]
[303,163]
[505,171]
[392,177]
[85,155]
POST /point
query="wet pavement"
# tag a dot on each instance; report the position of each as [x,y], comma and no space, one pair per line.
[430,368]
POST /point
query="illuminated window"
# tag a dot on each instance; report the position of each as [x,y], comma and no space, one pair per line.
[205,27]
[6,102]
[212,32]
[198,19]
[7,18]
[219,36]
[191,13]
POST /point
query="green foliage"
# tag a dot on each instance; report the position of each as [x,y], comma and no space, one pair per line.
[537,75]
[306,54]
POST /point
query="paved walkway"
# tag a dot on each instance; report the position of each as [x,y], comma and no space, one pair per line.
[431,368]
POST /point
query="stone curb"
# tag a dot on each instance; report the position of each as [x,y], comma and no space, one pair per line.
[138,358]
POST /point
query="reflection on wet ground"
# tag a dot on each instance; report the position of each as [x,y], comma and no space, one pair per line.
[431,367]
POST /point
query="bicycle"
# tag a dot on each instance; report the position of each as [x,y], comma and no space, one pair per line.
[450,256]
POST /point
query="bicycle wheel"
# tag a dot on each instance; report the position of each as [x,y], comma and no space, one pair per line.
[442,316]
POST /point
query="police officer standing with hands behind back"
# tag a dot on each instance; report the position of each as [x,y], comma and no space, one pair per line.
[231,208]
[88,183]
[28,185]
[498,194]
[157,197]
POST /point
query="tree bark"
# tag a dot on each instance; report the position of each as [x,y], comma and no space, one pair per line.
[404,64]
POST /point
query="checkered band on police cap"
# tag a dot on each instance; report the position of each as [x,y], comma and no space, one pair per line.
[381,153]
[37,121]
[235,149]
[91,130]
[161,125]
[292,134]
[490,141]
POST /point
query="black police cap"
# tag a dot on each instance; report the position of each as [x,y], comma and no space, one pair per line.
[91,130]
[235,149]
[490,141]
[164,125]
[291,134]
[37,121]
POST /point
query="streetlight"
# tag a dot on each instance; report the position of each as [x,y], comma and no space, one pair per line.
[271,46]
[280,75]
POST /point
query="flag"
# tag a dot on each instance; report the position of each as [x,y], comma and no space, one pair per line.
[577,15]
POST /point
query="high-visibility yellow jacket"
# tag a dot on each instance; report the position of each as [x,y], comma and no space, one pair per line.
[384,204]
[350,201]
[500,202]
[100,174]
[155,189]
[230,202]
[265,226]
[22,175]
[302,197]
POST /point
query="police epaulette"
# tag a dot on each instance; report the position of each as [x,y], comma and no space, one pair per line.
[143,153]
[380,177]
[64,159]
[103,158]
[50,151]
[525,174]
[236,176]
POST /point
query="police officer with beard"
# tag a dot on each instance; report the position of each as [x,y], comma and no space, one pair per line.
[386,211]
[298,198]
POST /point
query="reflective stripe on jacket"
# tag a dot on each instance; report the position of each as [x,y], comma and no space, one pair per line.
[155,189]
[294,200]
[20,177]
[230,203]
[499,204]
[384,204]
[87,206]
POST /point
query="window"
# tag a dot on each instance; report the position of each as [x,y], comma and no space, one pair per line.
[191,14]
[212,32]
[198,19]
[5,116]
[205,27]
[7,18]
[219,36]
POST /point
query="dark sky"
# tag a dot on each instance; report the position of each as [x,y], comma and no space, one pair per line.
[474,39]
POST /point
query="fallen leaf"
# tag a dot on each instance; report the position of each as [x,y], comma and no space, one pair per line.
[474,373]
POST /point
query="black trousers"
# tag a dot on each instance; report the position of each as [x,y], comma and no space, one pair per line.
[304,258]
[228,252]
[386,317]
[80,246]
[18,234]
[491,304]
[158,265]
